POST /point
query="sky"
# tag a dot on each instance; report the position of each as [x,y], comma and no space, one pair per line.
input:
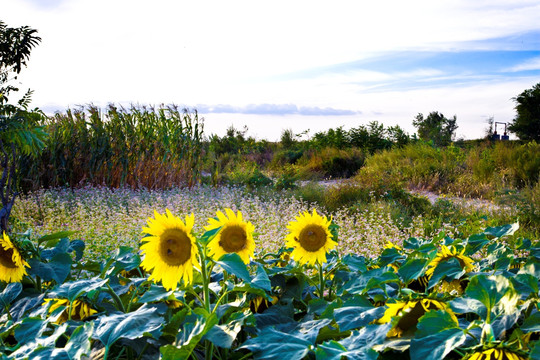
[275,65]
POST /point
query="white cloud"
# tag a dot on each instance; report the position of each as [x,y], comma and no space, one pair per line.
[531,64]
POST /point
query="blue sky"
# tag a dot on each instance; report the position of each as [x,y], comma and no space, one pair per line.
[273,65]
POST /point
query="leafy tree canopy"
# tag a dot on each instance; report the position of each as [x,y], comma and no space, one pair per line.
[526,125]
[436,127]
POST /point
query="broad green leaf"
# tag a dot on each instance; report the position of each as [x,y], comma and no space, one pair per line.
[9,294]
[389,256]
[78,246]
[309,329]
[72,290]
[525,285]
[412,269]
[261,279]
[52,239]
[131,326]
[159,293]
[233,264]
[196,325]
[447,270]
[171,352]
[61,247]
[358,346]
[124,258]
[57,269]
[368,280]
[209,236]
[330,350]
[224,335]
[30,329]
[271,344]
[532,323]
[355,262]
[496,293]
[501,231]
[79,341]
[475,243]
[436,336]
[532,267]
[353,317]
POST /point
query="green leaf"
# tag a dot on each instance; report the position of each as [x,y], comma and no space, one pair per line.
[525,285]
[171,352]
[52,239]
[412,269]
[475,243]
[501,231]
[72,290]
[271,344]
[353,317]
[30,329]
[131,326]
[233,264]
[209,236]
[79,341]
[532,323]
[355,262]
[159,293]
[261,280]
[496,294]
[446,270]
[10,293]
[196,325]
[224,335]
[368,280]
[78,246]
[57,269]
[358,346]
[436,336]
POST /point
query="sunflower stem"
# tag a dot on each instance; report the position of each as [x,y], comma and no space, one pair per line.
[321,281]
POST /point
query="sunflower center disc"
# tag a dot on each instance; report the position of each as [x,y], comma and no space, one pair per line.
[312,238]
[6,258]
[175,247]
[233,239]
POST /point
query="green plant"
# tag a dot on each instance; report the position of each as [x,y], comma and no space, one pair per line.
[526,125]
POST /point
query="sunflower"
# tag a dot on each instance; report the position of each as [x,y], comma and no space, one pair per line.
[170,250]
[235,236]
[446,254]
[80,310]
[310,237]
[12,265]
[496,354]
[409,312]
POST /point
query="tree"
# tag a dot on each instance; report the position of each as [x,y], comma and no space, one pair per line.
[436,127]
[20,133]
[526,125]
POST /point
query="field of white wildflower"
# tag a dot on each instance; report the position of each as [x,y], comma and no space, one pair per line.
[108,218]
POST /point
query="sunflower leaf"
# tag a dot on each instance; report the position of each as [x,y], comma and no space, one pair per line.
[272,344]
[52,239]
[412,269]
[10,293]
[261,279]
[224,335]
[353,317]
[131,326]
[449,269]
[233,264]
[209,236]
[496,294]
[72,290]
[358,346]
[500,231]
[436,336]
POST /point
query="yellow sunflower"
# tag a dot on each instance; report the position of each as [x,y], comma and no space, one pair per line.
[310,237]
[409,312]
[235,236]
[496,354]
[80,310]
[170,252]
[12,265]
[446,254]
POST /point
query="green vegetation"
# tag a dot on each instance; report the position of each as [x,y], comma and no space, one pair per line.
[526,125]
